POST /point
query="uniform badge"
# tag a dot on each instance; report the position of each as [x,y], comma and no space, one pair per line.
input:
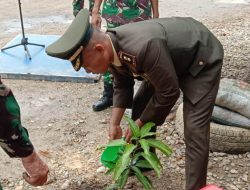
[127,58]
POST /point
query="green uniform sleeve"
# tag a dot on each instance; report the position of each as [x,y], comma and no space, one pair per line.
[14,138]
[123,88]
[160,71]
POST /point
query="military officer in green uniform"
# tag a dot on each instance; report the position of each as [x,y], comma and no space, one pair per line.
[169,55]
[14,139]
[117,13]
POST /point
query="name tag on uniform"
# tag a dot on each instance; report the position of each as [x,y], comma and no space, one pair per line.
[127,58]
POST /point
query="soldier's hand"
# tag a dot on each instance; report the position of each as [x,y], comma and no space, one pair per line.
[36,170]
[96,20]
[128,135]
[115,132]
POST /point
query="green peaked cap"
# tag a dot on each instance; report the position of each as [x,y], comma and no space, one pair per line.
[78,34]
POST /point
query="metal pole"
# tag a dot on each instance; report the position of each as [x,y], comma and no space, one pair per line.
[24,41]
[21,17]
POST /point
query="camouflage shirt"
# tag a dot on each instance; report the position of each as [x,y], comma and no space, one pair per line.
[119,12]
[14,138]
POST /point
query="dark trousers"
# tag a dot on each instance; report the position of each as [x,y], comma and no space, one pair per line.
[197,133]
[196,126]
[141,99]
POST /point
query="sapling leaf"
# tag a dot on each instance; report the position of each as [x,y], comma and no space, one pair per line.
[146,128]
[118,142]
[135,157]
[148,134]
[153,162]
[133,126]
[159,145]
[123,161]
[134,138]
[156,159]
[143,164]
[123,178]
[143,179]
[144,145]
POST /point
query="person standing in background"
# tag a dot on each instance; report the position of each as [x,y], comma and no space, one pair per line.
[117,13]
[79,4]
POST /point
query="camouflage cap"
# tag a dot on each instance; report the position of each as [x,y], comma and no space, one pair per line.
[74,39]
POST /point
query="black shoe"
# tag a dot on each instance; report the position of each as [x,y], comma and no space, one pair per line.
[106,99]
[103,103]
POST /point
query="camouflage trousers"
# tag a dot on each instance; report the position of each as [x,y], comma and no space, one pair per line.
[79,4]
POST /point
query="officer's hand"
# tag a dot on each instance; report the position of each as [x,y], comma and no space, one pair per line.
[115,132]
[37,170]
[96,20]
[128,134]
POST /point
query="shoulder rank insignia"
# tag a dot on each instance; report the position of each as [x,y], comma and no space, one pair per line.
[127,58]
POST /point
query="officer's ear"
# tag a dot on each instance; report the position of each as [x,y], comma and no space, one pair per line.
[99,48]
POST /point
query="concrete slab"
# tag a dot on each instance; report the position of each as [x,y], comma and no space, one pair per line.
[15,64]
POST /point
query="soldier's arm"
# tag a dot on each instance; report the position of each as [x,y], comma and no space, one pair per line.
[97,5]
[123,89]
[115,130]
[155,8]
[122,99]
[14,138]
[96,17]
[159,70]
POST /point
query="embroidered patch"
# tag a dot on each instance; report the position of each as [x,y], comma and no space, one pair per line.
[127,58]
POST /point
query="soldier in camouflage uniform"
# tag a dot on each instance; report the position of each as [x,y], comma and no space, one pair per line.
[79,4]
[116,13]
[14,139]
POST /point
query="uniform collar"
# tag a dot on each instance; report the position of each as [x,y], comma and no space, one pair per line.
[117,61]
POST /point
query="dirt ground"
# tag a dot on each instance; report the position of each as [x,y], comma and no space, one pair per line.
[69,135]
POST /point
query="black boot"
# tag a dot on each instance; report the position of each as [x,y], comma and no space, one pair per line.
[106,100]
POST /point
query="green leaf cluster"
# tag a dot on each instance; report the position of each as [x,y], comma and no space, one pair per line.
[136,156]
